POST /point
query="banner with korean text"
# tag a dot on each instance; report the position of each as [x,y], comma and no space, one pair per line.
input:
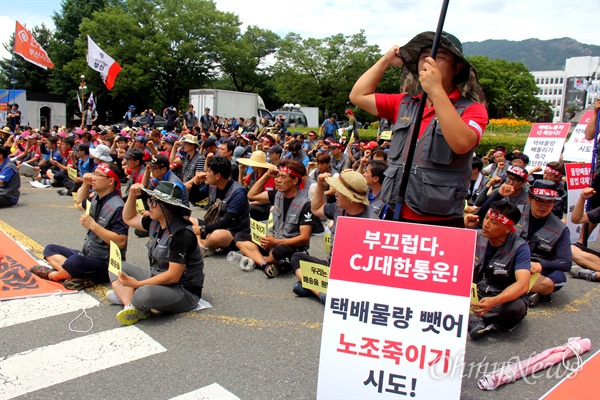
[578,148]
[578,178]
[545,143]
[397,311]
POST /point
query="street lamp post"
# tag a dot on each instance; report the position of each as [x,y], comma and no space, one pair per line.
[82,88]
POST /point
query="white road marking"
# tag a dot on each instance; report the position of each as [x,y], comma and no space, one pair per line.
[210,392]
[17,311]
[46,366]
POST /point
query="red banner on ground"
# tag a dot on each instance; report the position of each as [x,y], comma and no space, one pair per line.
[15,279]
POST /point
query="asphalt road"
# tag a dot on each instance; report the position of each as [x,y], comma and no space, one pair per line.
[259,341]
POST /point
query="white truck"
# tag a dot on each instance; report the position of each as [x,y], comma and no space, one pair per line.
[230,104]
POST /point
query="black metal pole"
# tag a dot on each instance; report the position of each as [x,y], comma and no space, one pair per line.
[417,125]
[586,226]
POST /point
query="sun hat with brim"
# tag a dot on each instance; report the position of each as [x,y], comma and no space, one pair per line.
[190,139]
[351,184]
[101,152]
[6,129]
[168,192]
[545,190]
[258,159]
[518,172]
[466,79]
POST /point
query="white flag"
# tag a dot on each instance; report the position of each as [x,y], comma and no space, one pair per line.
[92,101]
[99,61]
[79,103]
[581,84]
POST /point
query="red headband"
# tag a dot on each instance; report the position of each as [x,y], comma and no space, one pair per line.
[552,171]
[290,171]
[503,219]
[544,192]
[111,174]
[498,152]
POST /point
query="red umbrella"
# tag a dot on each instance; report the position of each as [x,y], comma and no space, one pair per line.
[512,372]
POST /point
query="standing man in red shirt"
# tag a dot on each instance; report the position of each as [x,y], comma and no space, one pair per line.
[452,125]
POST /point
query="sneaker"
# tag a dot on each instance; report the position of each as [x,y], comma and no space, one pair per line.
[301,291]
[206,251]
[534,299]
[131,315]
[113,298]
[77,283]
[62,192]
[271,271]
[583,273]
[477,328]
[46,182]
[41,271]
[247,264]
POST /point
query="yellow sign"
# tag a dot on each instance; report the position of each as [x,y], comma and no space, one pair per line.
[314,276]
[327,238]
[474,296]
[270,222]
[72,173]
[385,135]
[534,277]
[114,261]
[139,206]
[258,230]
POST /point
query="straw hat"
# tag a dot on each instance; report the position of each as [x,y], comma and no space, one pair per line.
[352,185]
[190,139]
[168,192]
[6,129]
[258,159]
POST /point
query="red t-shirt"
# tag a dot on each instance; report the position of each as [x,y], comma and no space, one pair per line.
[475,116]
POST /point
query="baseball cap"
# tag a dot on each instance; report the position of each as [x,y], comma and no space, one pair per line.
[135,154]
[275,149]
[159,160]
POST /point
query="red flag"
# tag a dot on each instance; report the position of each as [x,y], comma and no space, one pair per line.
[28,48]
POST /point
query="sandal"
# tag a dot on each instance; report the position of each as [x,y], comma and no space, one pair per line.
[41,271]
[271,271]
[77,283]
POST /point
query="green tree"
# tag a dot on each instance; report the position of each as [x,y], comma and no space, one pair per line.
[321,72]
[165,48]
[509,87]
[27,76]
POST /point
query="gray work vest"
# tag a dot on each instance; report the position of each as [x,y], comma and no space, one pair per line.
[499,274]
[188,169]
[12,188]
[238,224]
[440,178]
[288,226]
[159,252]
[543,242]
[93,245]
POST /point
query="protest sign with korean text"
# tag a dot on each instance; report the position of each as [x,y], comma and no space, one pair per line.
[578,178]
[397,311]
[578,148]
[545,143]
[258,230]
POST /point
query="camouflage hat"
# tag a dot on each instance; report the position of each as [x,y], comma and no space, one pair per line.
[466,79]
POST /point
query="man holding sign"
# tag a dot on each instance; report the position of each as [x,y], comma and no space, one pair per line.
[81,269]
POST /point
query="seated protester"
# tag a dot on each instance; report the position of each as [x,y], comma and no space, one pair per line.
[226,149]
[176,276]
[297,153]
[587,260]
[101,154]
[234,210]
[498,168]
[10,181]
[49,151]
[292,220]
[157,170]
[324,166]
[548,238]
[339,161]
[192,160]
[59,170]
[85,165]
[380,155]
[513,191]
[135,168]
[374,175]
[478,181]
[522,160]
[555,171]
[274,154]
[351,200]
[502,270]
[81,269]
[258,166]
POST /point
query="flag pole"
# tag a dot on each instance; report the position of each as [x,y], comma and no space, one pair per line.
[419,117]
[588,203]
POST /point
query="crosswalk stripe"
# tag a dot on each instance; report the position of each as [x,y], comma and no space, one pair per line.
[210,392]
[49,365]
[24,310]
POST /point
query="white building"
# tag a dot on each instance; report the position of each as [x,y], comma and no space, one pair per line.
[558,87]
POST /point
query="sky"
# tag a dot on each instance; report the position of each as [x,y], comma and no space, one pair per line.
[385,22]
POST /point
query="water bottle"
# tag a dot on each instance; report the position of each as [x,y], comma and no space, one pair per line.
[234,257]
[246,263]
